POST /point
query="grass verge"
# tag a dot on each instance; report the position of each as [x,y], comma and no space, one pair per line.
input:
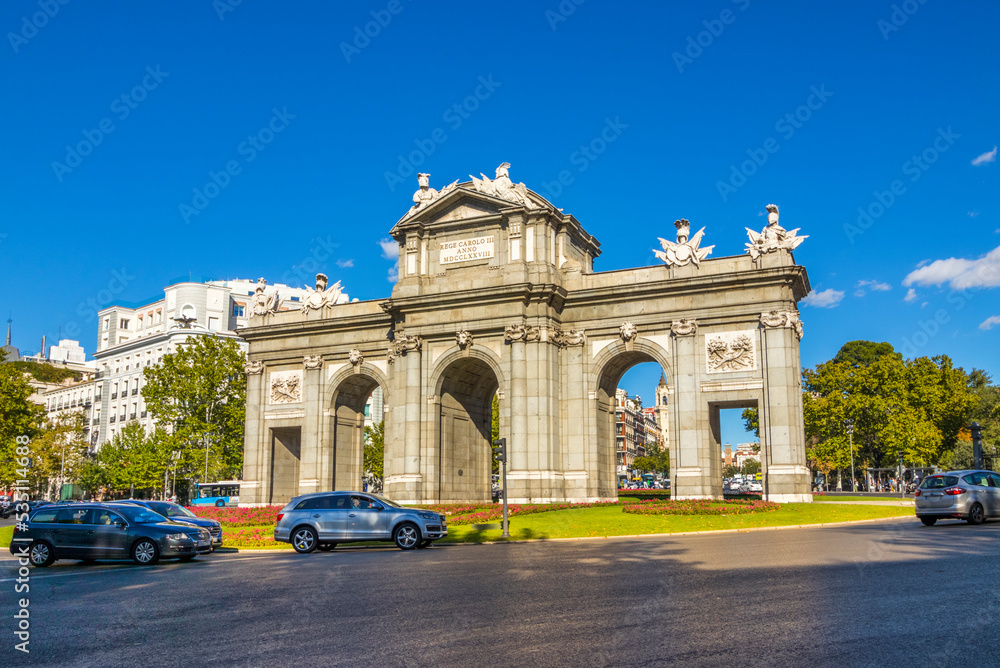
[611,521]
[6,534]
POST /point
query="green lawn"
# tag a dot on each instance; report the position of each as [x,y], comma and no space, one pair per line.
[860,499]
[613,522]
[6,534]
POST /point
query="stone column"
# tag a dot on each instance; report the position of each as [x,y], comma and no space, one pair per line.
[783,448]
[690,478]
[519,441]
[309,461]
[579,460]
[255,460]
[404,483]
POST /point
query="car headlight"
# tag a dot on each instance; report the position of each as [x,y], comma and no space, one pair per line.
[427,516]
[178,536]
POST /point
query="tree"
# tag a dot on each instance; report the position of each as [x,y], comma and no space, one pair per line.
[659,456]
[374,456]
[199,393]
[495,430]
[863,353]
[730,470]
[58,452]
[19,419]
[750,467]
[134,461]
[644,464]
[751,420]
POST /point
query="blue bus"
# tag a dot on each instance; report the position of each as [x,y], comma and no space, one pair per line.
[222,493]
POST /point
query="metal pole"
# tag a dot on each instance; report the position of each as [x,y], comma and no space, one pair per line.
[850,437]
[506,524]
[62,470]
[207,445]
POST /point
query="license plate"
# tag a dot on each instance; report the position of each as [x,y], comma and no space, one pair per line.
[204,543]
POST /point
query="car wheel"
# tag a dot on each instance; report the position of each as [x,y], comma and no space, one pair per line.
[304,540]
[220,504]
[406,536]
[326,547]
[145,552]
[41,554]
[976,515]
[928,521]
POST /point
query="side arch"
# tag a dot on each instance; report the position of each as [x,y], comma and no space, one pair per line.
[349,389]
[606,371]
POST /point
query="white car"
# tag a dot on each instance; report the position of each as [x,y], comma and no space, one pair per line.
[755,486]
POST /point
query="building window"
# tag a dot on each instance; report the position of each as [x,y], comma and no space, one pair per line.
[107,324]
[159,317]
[238,310]
[213,324]
[123,323]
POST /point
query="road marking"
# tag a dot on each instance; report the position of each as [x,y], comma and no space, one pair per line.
[36,574]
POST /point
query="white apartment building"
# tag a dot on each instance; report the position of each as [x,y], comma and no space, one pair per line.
[132,339]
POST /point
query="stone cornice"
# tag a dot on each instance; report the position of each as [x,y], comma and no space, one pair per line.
[794,276]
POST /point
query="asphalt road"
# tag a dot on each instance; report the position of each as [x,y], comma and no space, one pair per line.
[880,594]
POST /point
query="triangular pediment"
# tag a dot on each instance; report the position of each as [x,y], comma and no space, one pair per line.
[460,203]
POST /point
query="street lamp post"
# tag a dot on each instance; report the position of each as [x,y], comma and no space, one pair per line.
[849,425]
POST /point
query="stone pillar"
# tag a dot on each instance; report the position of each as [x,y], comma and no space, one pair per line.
[255,461]
[403,484]
[783,449]
[520,445]
[579,456]
[309,466]
[689,469]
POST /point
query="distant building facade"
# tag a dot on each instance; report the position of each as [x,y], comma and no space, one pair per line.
[630,431]
[131,339]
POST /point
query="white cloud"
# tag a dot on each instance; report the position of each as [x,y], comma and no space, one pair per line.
[823,299]
[345,264]
[990,322]
[911,295]
[982,159]
[390,251]
[959,273]
[973,214]
[874,286]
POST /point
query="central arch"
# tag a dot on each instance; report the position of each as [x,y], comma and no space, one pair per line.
[466,389]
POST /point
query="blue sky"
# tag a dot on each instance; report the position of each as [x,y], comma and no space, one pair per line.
[889,108]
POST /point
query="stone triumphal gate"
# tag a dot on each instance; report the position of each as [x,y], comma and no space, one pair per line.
[497,296]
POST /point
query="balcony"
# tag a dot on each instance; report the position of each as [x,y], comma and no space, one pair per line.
[121,417]
[95,421]
[131,416]
[86,404]
[112,420]
[114,396]
[142,414]
[135,391]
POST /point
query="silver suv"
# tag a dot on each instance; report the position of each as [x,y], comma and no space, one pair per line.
[320,521]
[972,496]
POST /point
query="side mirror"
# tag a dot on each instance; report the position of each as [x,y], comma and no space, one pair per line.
[119,523]
[377,507]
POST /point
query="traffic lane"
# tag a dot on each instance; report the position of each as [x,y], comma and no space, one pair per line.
[781,597]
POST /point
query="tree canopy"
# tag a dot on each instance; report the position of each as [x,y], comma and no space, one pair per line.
[914,407]
[863,353]
[199,395]
[19,417]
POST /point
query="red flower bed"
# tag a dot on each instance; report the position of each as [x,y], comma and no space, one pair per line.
[700,507]
[239,517]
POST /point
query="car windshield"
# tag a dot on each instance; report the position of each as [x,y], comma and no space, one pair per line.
[391,504]
[171,510]
[939,482]
[140,515]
